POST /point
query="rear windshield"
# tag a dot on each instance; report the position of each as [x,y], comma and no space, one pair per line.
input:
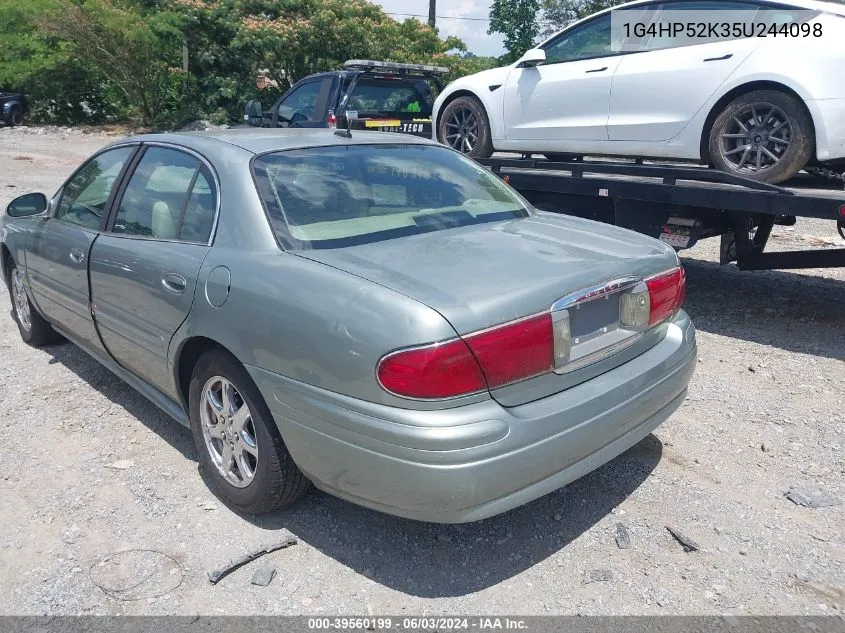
[384,97]
[332,197]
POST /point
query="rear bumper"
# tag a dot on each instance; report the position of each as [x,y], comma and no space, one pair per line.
[829,121]
[475,461]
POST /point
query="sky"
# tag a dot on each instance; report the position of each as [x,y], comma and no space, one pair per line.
[473,32]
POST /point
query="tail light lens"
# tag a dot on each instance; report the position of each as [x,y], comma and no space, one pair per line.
[490,358]
[514,351]
[666,292]
[443,370]
[332,120]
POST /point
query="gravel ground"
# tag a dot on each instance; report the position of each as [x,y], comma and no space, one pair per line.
[104,511]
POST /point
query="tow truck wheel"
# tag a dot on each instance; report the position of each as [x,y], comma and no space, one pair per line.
[763,135]
[464,126]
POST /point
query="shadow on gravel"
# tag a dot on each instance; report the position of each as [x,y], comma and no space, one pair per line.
[121,394]
[792,311]
[435,561]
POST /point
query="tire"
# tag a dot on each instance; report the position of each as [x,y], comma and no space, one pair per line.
[461,120]
[34,329]
[783,128]
[15,116]
[269,479]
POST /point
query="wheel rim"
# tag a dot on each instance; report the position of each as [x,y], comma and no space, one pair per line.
[229,431]
[461,130]
[16,117]
[21,301]
[756,138]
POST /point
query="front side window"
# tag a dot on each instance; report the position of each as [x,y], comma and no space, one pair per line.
[385,97]
[332,197]
[86,194]
[592,39]
[169,196]
[305,103]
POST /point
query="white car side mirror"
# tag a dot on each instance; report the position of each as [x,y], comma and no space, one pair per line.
[531,57]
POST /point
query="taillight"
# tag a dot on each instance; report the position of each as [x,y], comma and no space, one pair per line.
[666,293]
[332,120]
[514,351]
[491,358]
[443,370]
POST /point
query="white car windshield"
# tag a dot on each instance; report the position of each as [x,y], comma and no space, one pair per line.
[332,197]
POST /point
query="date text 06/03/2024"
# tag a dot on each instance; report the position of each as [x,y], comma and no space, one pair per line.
[424,623]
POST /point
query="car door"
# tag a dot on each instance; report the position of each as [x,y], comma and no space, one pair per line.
[657,91]
[58,250]
[565,98]
[305,105]
[144,267]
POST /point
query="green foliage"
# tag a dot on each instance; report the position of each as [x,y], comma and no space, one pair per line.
[92,60]
[60,89]
[517,21]
[559,13]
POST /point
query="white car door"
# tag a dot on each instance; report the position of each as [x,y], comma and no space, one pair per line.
[657,91]
[565,98]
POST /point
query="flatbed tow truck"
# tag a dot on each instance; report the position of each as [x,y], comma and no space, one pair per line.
[681,204]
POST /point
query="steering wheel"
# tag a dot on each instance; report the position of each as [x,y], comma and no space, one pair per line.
[302,115]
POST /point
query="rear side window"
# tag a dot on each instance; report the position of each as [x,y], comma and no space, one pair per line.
[383,97]
[333,197]
[170,196]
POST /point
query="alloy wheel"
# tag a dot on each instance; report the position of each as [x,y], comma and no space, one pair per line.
[756,138]
[21,301]
[461,131]
[228,431]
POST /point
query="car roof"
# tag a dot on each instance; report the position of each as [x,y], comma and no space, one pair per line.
[825,6]
[261,140]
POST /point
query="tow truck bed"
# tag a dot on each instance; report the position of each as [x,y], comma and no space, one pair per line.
[681,204]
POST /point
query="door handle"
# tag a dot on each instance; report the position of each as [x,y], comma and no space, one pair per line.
[597,70]
[76,255]
[174,283]
[718,59]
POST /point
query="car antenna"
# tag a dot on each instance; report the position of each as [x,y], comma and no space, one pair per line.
[347,133]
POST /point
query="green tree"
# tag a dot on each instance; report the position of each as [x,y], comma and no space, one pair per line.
[558,14]
[518,21]
[61,88]
[138,55]
[230,40]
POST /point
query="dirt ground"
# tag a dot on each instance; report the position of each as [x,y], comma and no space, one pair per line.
[103,510]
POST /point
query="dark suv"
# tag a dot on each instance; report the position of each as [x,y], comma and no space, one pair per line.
[366,94]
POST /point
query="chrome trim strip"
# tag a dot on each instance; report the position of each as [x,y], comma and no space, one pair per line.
[595,292]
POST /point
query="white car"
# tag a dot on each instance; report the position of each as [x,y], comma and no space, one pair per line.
[763,107]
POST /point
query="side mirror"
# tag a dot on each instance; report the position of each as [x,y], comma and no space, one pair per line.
[531,57]
[26,205]
[253,113]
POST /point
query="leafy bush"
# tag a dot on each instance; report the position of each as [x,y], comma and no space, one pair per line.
[166,62]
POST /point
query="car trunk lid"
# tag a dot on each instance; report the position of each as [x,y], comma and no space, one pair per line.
[485,275]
